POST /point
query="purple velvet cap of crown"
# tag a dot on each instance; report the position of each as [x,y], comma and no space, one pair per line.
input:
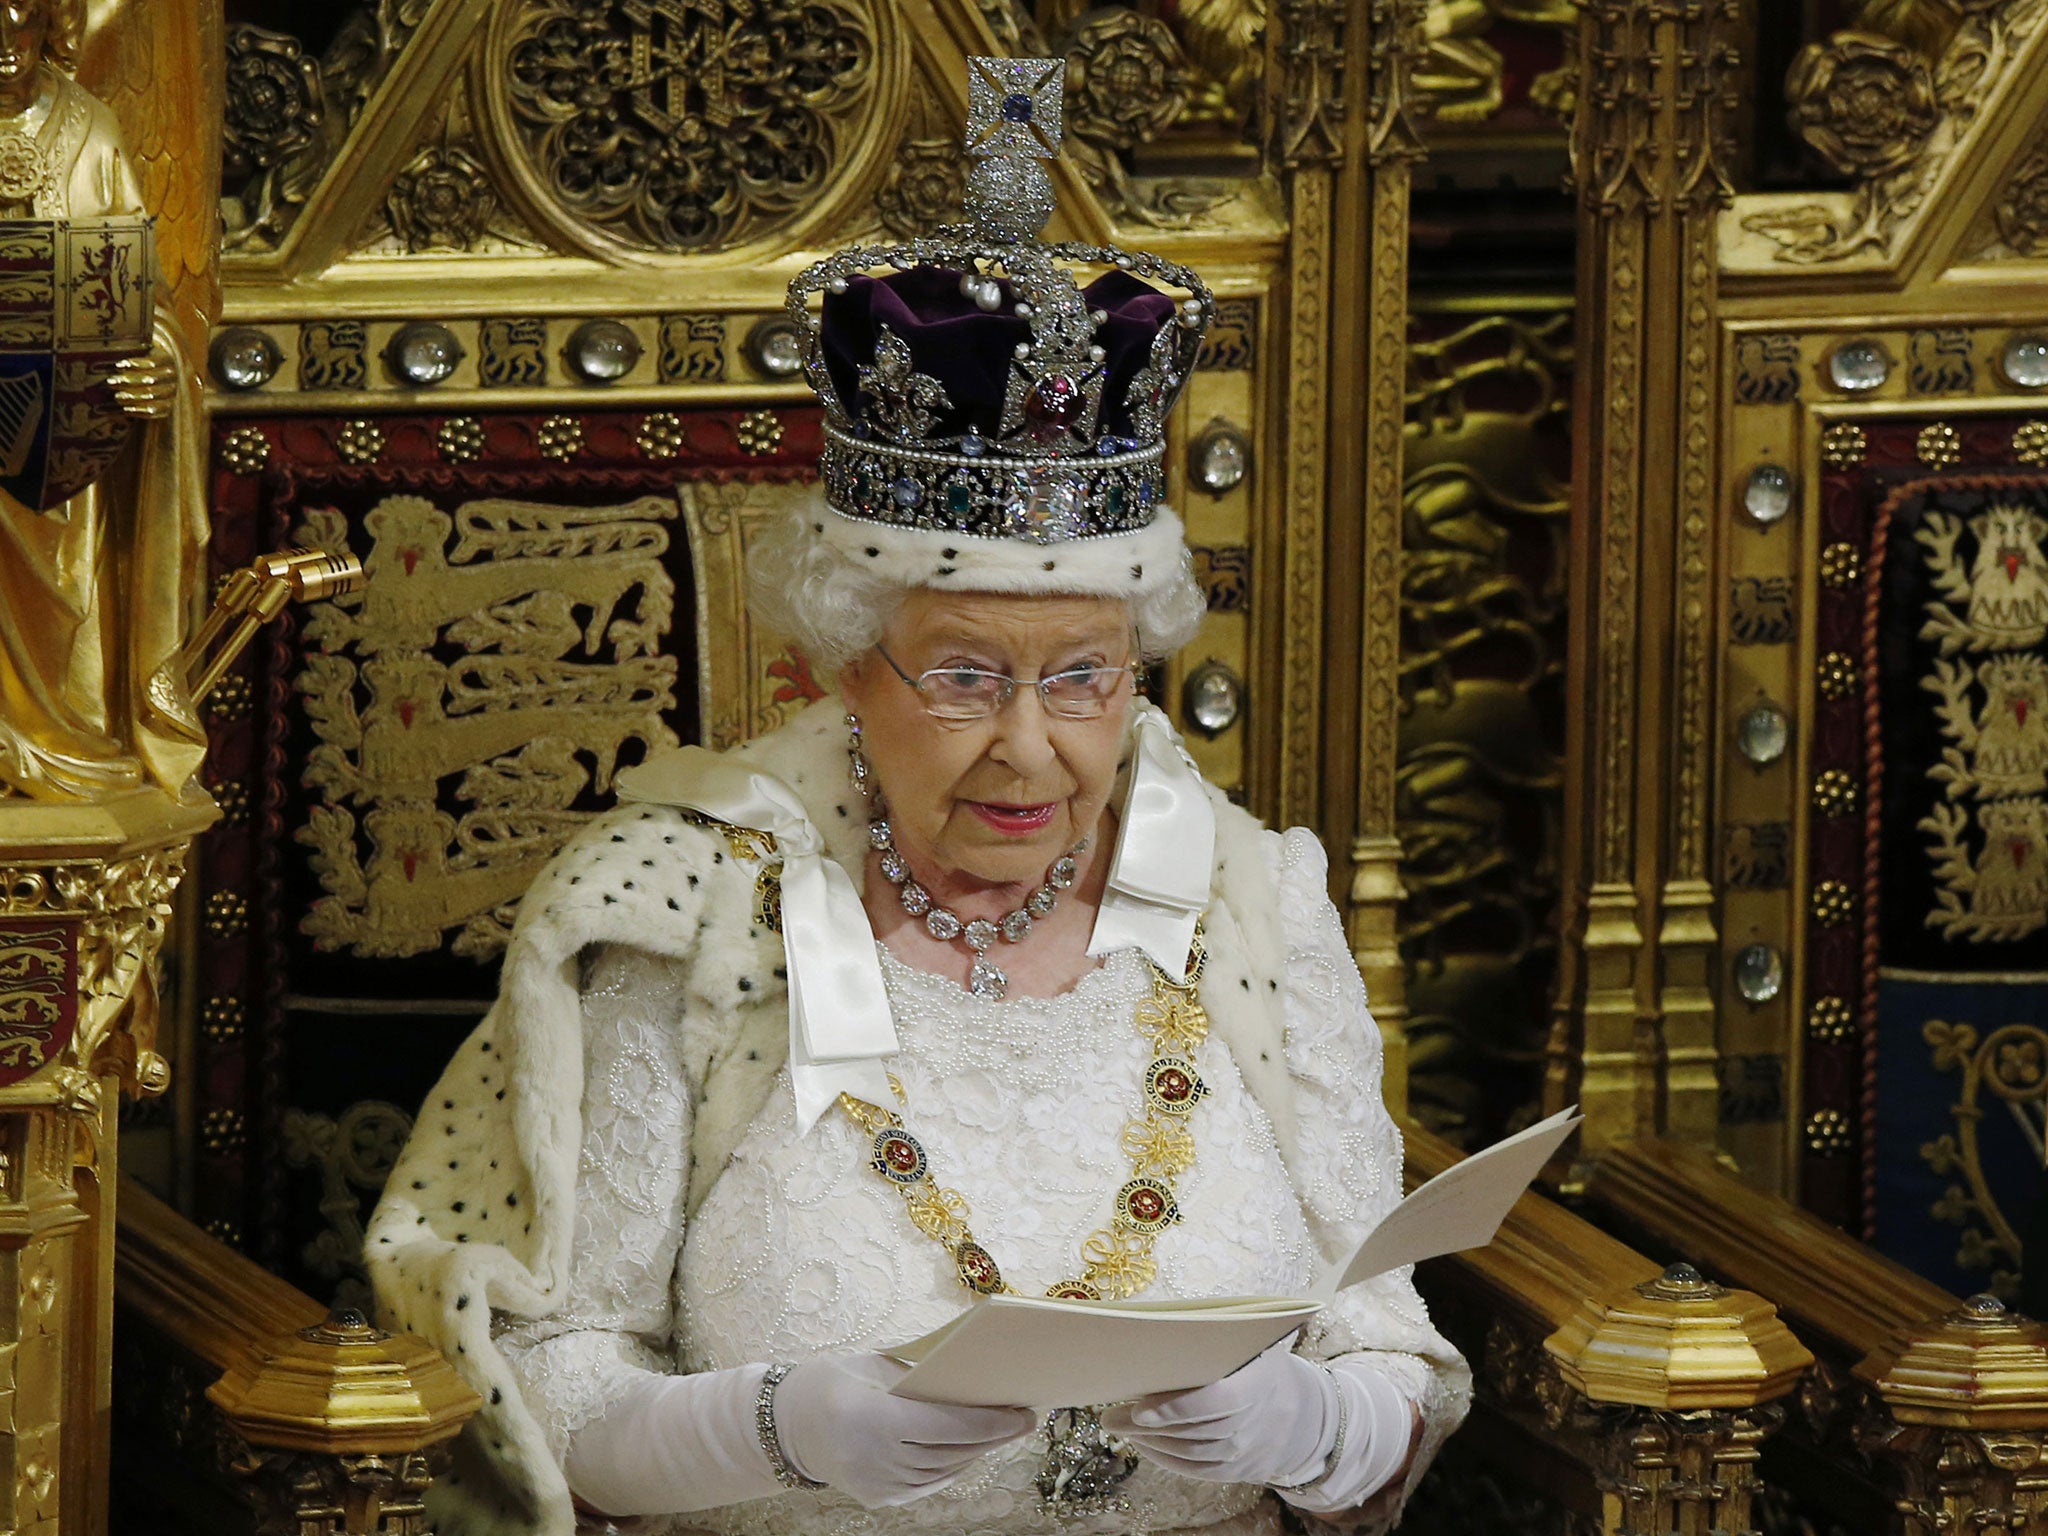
[968,350]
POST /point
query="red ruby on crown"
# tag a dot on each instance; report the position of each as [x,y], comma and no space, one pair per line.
[1054,401]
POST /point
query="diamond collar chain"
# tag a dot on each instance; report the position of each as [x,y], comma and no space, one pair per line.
[987,979]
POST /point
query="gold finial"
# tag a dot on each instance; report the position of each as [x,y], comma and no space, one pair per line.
[1677,1342]
[345,1386]
[1979,1367]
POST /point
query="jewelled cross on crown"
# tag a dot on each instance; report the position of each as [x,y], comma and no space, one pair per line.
[1013,122]
[1013,107]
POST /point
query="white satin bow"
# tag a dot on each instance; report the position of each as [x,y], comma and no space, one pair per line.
[1165,851]
[840,1028]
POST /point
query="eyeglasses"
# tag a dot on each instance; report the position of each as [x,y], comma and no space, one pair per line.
[968,693]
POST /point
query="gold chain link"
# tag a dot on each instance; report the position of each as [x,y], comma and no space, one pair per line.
[1116,1259]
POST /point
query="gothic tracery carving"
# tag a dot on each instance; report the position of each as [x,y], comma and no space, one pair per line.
[684,127]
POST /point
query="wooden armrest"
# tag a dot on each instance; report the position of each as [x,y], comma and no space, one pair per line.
[214,1302]
[1842,1296]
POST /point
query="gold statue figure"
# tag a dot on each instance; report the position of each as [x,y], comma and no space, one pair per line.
[93,591]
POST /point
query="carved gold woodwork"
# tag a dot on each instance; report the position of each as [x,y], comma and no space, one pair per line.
[1964,1432]
[85,905]
[1864,103]
[1679,1342]
[1634,1038]
[1921,137]
[679,128]
[330,1426]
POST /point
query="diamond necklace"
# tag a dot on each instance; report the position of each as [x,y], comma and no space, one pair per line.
[986,980]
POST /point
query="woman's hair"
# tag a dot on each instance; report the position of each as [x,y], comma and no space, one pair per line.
[805,591]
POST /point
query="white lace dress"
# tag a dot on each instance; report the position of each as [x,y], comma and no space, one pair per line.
[799,1249]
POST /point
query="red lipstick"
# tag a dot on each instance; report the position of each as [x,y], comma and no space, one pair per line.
[1015,820]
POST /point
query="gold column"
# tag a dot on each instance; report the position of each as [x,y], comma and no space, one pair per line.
[1366,472]
[1346,121]
[85,900]
[1964,1432]
[1307,111]
[1634,1036]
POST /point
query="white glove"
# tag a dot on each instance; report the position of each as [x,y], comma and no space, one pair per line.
[839,1426]
[1275,1422]
[1271,1422]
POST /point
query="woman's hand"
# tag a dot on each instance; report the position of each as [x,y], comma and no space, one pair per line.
[1270,1422]
[839,1426]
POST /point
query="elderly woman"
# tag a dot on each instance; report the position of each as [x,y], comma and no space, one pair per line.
[961,983]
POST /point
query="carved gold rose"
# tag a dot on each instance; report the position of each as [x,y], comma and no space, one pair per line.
[2022,208]
[25,171]
[274,100]
[1127,79]
[924,190]
[442,200]
[1864,102]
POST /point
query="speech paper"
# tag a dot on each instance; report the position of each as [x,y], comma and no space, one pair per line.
[1035,1352]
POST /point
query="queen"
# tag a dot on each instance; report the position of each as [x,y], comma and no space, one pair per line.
[962,982]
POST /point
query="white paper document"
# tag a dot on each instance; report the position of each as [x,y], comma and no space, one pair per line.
[1034,1352]
[1460,1208]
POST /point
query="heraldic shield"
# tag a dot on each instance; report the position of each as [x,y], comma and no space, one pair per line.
[77,296]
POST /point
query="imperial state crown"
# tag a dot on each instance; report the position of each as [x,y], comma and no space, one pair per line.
[977,390]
